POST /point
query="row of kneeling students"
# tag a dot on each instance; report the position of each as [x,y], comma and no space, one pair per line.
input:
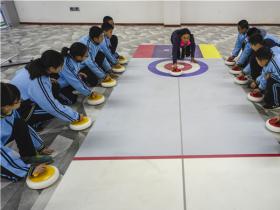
[255,61]
[45,88]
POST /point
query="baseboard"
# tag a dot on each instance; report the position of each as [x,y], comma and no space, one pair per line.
[150,24]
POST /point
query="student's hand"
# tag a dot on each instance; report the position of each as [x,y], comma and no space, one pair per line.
[267,76]
[39,170]
[82,75]
[46,151]
[193,60]
[107,78]
[253,85]
[93,94]
[121,57]
[231,58]
[54,81]
[277,119]
[81,117]
[174,66]
[256,90]
[241,74]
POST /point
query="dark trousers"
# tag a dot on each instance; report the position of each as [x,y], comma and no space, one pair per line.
[184,52]
[33,114]
[64,95]
[114,43]
[256,69]
[272,92]
[24,143]
[92,79]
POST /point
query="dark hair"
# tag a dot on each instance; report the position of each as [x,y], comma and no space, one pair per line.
[184,31]
[256,39]
[94,32]
[9,94]
[107,26]
[107,18]
[252,31]
[76,49]
[264,53]
[243,24]
[39,67]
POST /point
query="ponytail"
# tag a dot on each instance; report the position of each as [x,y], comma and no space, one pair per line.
[40,66]
[76,49]
[65,51]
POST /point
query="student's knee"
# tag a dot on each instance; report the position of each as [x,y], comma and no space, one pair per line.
[114,40]
[19,123]
[99,58]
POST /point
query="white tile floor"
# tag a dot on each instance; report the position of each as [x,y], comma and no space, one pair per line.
[233,183]
[121,185]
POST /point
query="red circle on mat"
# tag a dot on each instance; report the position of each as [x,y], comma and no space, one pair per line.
[242,78]
[256,95]
[185,68]
[274,123]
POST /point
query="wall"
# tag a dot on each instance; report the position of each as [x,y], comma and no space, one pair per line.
[169,13]
[230,12]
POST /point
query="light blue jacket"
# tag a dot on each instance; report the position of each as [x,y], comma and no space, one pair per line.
[39,90]
[238,44]
[11,160]
[275,50]
[273,68]
[90,61]
[69,76]
[105,48]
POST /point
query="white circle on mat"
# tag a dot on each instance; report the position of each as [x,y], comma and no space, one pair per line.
[195,67]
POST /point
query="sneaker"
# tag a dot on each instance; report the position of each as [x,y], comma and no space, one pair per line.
[38,159]
[270,107]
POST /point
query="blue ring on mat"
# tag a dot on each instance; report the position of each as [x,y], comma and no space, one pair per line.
[152,67]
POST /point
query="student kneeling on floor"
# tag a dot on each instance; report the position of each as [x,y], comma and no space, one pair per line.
[29,144]
[113,39]
[242,27]
[34,83]
[70,76]
[269,80]
[253,69]
[96,66]
[106,44]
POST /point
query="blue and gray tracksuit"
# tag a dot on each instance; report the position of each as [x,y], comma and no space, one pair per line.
[105,48]
[247,51]
[70,76]
[271,86]
[238,44]
[248,69]
[10,160]
[39,91]
[90,62]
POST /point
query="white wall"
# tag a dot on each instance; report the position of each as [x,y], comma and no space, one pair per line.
[90,11]
[149,11]
[230,12]
[172,13]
